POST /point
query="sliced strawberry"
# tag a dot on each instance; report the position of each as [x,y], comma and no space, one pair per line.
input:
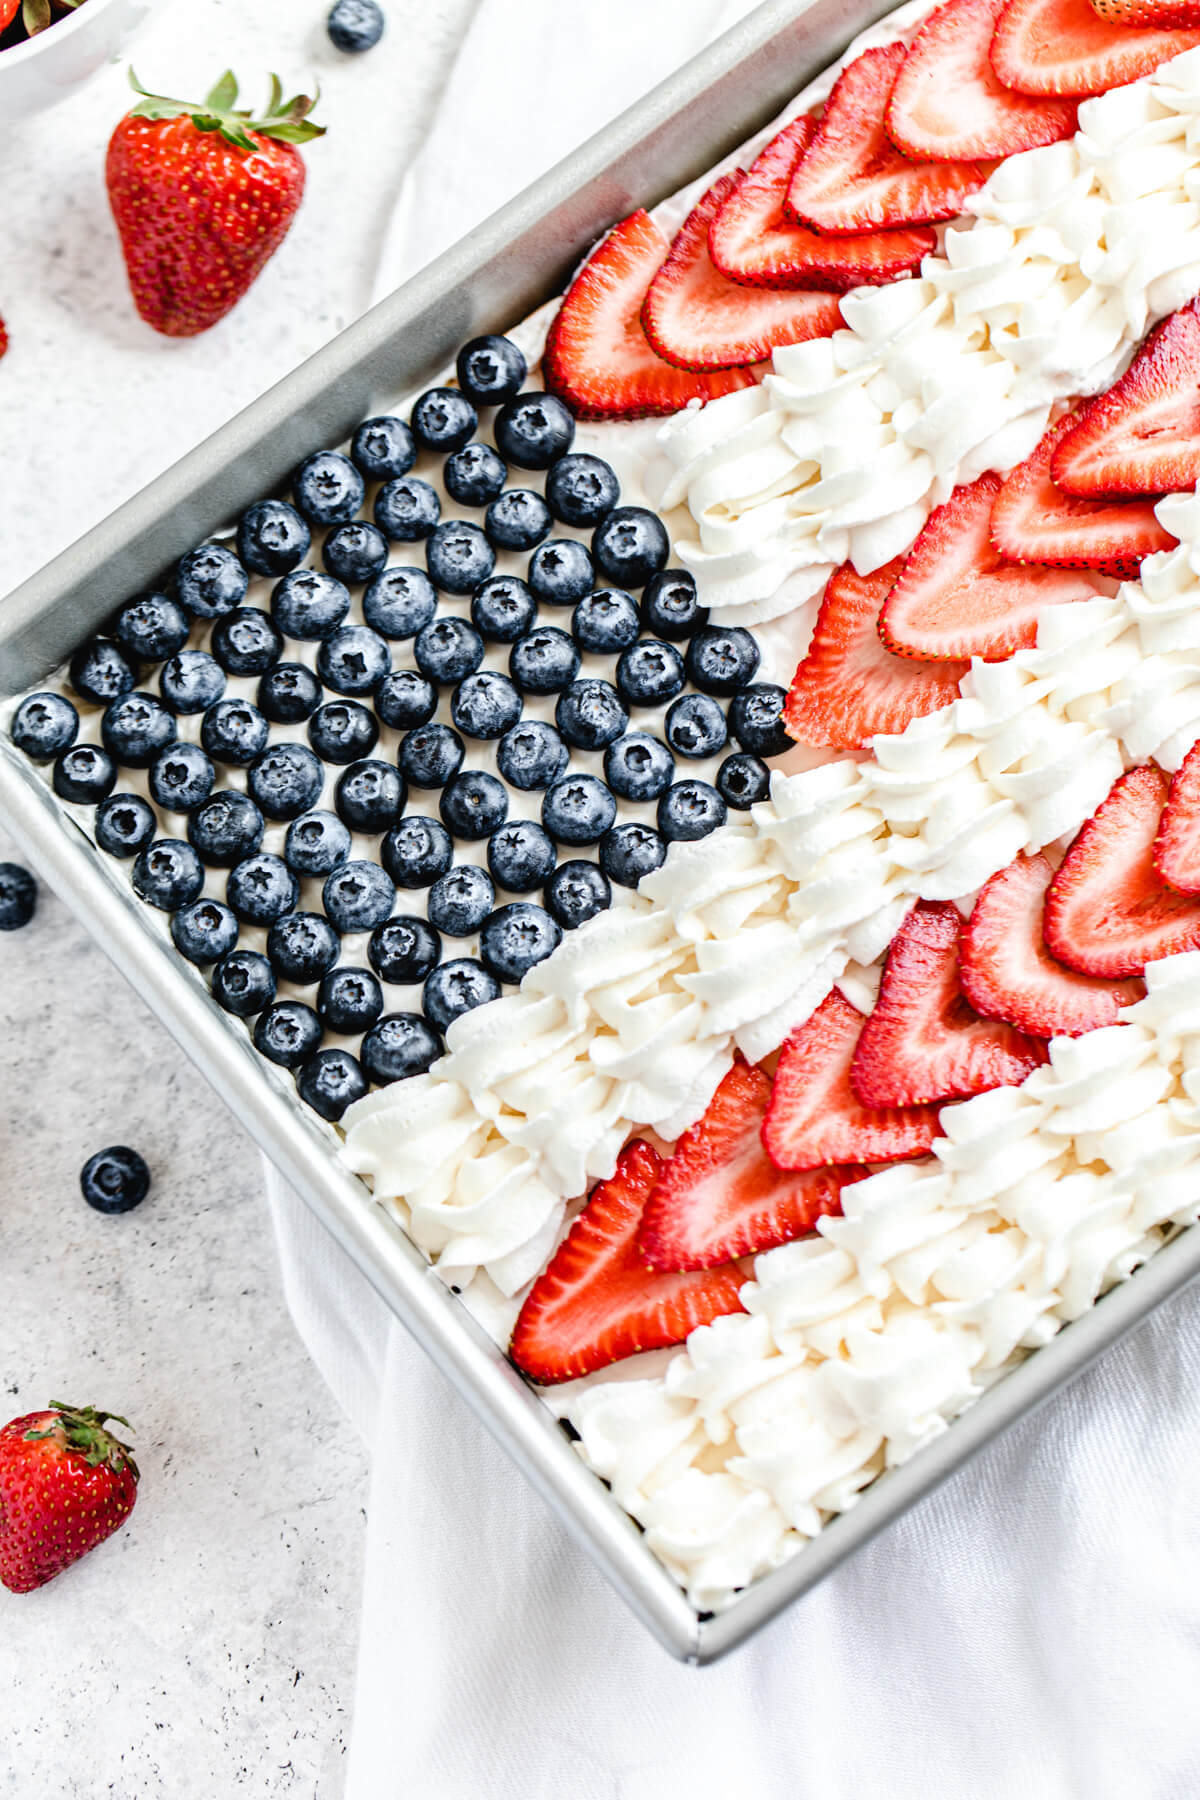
[597,356]
[720,1196]
[1034,522]
[815,1117]
[753,240]
[947,103]
[1143,435]
[1177,846]
[848,687]
[1061,47]
[853,178]
[696,318]
[1007,972]
[924,1041]
[3,337]
[1159,13]
[1108,911]
[598,1301]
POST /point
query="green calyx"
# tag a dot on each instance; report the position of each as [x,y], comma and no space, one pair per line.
[82,1429]
[36,14]
[286,120]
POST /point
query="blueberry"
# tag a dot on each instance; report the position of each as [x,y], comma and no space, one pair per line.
[756,719]
[459,556]
[308,605]
[343,731]
[355,552]
[328,488]
[400,602]
[100,672]
[443,419]
[455,988]
[302,946]
[403,950]
[316,844]
[225,829]
[473,804]
[490,370]
[629,851]
[370,795]
[416,851]
[401,1045]
[580,490]
[670,607]
[696,726]
[383,448]
[578,810]
[638,767]
[631,545]
[503,609]
[461,900]
[168,874]
[205,931]
[474,475]
[690,810]
[355,26]
[515,938]
[534,430]
[589,714]
[605,622]
[743,779]
[576,892]
[85,774]
[246,642]
[288,1033]
[152,628]
[448,649]
[407,509]
[544,661]
[722,658]
[430,755]
[243,983]
[560,572]
[272,538]
[135,728]
[485,705]
[192,681]
[115,1180]
[288,694]
[234,732]
[331,1080]
[406,698]
[44,726]
[349,1001]
[521,856]
[517,520]
[18,896]
[358,896]
[531,755]
[181,778]
[286,781]
[125,824]
[650,673]
[262,889]
[210,581]
[354,660]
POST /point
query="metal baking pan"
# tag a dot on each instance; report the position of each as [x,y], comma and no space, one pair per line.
[489,281]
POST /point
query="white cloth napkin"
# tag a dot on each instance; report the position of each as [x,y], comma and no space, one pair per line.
[1032,1630]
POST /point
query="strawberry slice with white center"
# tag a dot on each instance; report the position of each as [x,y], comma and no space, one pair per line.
[947,103]
[1143,435]
[753,239]
[1008,973]
[598,1301]
[1177,846]
[853,178]
[924,1041]
[1061,47]
[720,1196]
[1108,910]
[1033,521]
[696,318]
[849,686]
[597,356]
[815,1117]
[1162,14]
[957,596]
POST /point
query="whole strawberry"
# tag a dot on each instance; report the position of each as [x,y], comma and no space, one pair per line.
[203,196]
[65,1485]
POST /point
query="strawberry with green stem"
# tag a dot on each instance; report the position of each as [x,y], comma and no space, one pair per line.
[66,1484]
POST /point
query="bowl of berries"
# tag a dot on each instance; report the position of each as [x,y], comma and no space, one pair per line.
[48,48]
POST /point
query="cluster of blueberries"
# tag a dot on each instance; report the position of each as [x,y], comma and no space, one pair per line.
[661,646]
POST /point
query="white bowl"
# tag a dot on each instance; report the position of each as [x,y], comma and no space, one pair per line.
[38,74]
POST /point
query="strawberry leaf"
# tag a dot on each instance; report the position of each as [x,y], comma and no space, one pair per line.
[36,16]
[223,97]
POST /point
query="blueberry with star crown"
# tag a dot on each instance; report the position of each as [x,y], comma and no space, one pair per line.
[191,681]
[417,851]
[516,938]
[544,661]
[490,370]
[355,552]
[531,755]
[124,824]
[349,1000]
[638,767]
[722,659]
[44,726]
[521,856]
[167,874]
[243,983]
[443,419]
[330,1081]
[234,732]
[631,850]
[407,509]
[689,810]
[605,622]
[742,780]
[517,519]
[354,660]
[474,475]
[316,844]
[355,25]
[246,642]
[399,603]
[503,609]
[485,705]
[560,572]
[383,448]
[151,628]
[205,931]
[581,489]
[272,538]
[286,781]
[227,827]
[403,950]
[301,947]
[458,556]
[370,795]
[343,731]
[578,810]
[576,892]
[461,900]
[671,607]
[534,430]
[85,774]
[261,888]
[630,546]
[309,605]
[136,728]
[288,694]
[181,778]
[457,987]
[210,581]
[406,698]
[99,671]
[327,488]
[473,804]
[288,1033]
[358,896]
[431,755]
[399,1046]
